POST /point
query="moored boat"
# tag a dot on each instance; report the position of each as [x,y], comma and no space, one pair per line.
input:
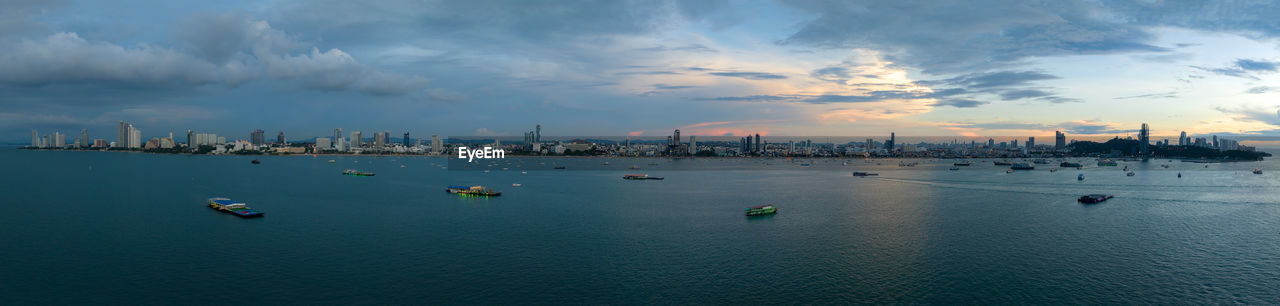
[962,164]
[1022,166]
[1107,163]
[353,172]
[1257,171]
[855,173]
[1001,163]
[473,190]
[1070,165]
[761,210]
[1094,198]
[640,177]
[255,162]
[1040,161]
[233,207]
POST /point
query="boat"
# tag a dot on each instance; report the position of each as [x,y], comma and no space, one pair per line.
[559,167]
[233,207]
[963,164]
[402,166]
[954,168]
[255,162]
[515,184]
[761,210]
[1040,161]
[473,191]
[1257,171]
[640,177]
[855,173]
[1094,198]
[1022,166]
[353,172]
[1106,163]
[524,172]
[1002,163]
[1081,177]
[634,167]
[1130,173]
[1070,165]
[332,161]
[604,164]
[1008,171]
[1179,174]
[1053,169]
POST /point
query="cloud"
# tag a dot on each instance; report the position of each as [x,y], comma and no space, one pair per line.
[1083,127]
[993,79]
[1256,65]
[959,103]
[750,75]
[1158,95]
[254,52]
[672,87]
[1023,94]
[1262,89]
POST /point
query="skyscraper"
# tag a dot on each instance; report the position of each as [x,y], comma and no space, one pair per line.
[1031,143]
[190,144]
[122,135]
[1182,139]
[693,145]
[537,133]
[84,137]
[257,138]
[406,139]
[675,138]
[280,138]
[356,140]
[1059,141]
[888,145]
[437,146]
[386,138]
[337,134]
[758,147]
[1144,140]
[135,137]
[35,139]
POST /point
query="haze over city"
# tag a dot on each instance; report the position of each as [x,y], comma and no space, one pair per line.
[964,68]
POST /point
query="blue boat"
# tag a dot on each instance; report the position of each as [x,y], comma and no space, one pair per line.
[233,207]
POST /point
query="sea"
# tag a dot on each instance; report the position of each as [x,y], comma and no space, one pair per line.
[133,228]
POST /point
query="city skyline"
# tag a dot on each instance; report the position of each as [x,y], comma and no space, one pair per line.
[642,68]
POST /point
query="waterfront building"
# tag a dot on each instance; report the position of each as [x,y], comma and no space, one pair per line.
[340,145]
[378,141]
[437,146]
[35,139]
[1031,143]
[337,136]
[537,133]
[1144,140]
[99,143]
[322,143]
[693,145]
[84,138]
[356,140]
[280,138]
[406,139]
[1059,141]
[257,138]
[135,138]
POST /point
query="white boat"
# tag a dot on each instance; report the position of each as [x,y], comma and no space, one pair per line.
[515,185]
[1130,173]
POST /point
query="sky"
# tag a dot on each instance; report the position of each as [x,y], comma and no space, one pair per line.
[707,67]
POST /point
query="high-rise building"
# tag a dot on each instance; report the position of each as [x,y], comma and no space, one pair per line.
[356,140]
[45,142]
[322,143]
[693,145]
[1215,141]
[537,133]
[135,137]
[437,146]
[378,141]
[257,138]
[758,147]
[35,139]
[1182,139]
[122,134]
[190,135]
[340,144]
[84,138]
[1059,141]
[280,138]
[386,137]
[675,137]
[888,145]
[406,139]
[337,134]
[1031,143]
[1144,140]
[991,142]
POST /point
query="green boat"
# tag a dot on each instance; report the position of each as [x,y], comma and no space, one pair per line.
[761,210]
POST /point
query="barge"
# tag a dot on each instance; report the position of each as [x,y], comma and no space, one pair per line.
[640,177]
[353,172]
[473,191]
[1094,198]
